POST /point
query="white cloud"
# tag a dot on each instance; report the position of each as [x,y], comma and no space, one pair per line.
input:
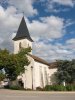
[71,41]
[61,2]
[48,27]
[2,13]
[71,44]
[52,52]
[11,10]
[9,22]
[64,2]
[25,6]
[69,22]
[52,5]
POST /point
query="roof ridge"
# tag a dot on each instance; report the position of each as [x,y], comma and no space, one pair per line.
[51,65]
[39,59]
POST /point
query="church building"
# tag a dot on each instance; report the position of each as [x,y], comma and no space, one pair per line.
[38,73]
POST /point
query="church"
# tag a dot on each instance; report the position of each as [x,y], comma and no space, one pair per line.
[38,73]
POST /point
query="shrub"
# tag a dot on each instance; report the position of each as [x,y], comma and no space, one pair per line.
[59,88]
[70,87]
[16,87]
[54,88]
[39,89]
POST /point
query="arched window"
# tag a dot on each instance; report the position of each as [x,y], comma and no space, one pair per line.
[20,45]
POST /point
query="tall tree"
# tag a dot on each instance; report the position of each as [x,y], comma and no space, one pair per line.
[13,64]
[66,71]
[2,76]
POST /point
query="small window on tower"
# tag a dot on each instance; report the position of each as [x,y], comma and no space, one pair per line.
[20,45]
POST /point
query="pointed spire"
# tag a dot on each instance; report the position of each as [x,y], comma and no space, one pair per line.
[22,32]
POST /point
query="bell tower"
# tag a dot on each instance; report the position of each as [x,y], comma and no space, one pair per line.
[22,38]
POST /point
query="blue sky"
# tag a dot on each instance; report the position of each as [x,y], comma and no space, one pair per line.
[51,24]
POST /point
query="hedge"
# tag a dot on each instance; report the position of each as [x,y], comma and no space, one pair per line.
[59,88]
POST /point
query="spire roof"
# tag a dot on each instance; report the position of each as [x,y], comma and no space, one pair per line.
[22,32]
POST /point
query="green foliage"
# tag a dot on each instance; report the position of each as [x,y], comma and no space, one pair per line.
[59,88]
[16,87]
[70,87]
[66,71]
[54,88]
[13,64]
[3,58]
[2,76]
[24,51]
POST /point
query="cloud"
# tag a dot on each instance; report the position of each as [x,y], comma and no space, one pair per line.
[9,22]
[61,2]
[44,31]
[52,52]
[71,44]
[47,27]
[64,2]
[69,22]
[25,6]
[55,5]
[71,41]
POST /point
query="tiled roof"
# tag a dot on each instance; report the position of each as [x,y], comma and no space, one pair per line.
[39,59]
[53,65]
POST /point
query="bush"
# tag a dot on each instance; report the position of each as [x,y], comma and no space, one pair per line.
[39,89]
[15,88]
[70,87]
[59,88]
[6,86]
[54,88]
[48,88]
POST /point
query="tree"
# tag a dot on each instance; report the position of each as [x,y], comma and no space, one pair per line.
[66,71]
[3,58]
[17,63]
[2,76]
[72,71]
[13,64]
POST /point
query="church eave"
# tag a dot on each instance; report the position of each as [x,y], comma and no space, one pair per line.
[20,38]
[39,59]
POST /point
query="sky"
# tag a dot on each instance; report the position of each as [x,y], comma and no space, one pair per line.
[51,24]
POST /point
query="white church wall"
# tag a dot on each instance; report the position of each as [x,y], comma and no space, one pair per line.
[24,42]
[46,75]
[51,72]
[40,79]
[40,76]
[37,74]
